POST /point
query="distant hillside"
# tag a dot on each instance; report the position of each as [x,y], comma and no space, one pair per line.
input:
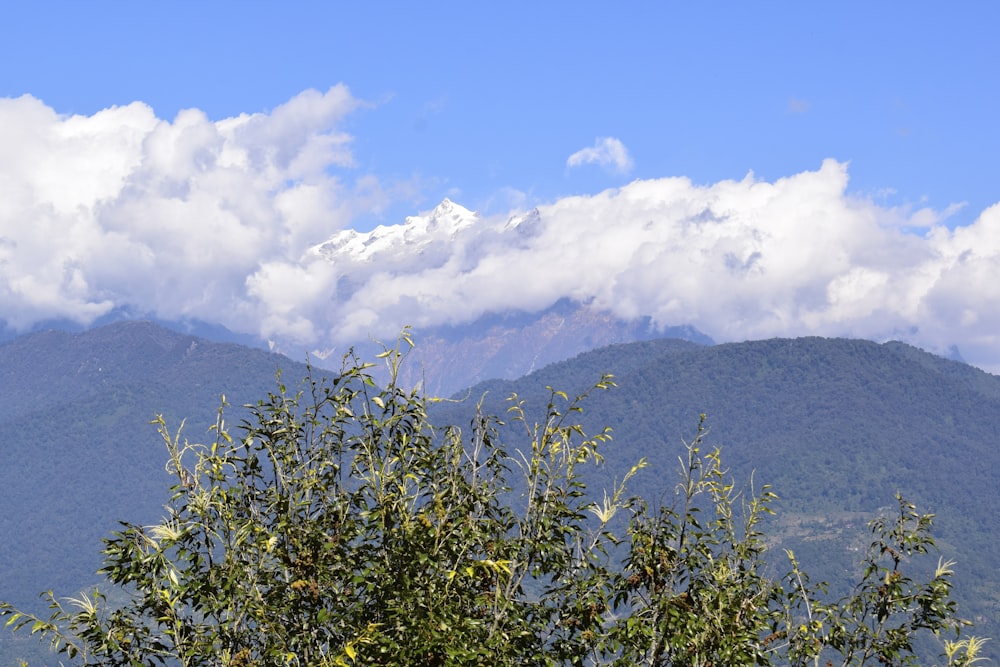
[77,452]
[447,358]
[836,426]
[513,344]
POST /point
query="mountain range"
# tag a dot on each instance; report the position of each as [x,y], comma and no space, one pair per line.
[515,343]
[505,343]
[835,425]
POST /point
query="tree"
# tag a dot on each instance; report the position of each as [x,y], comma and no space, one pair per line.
[337,526]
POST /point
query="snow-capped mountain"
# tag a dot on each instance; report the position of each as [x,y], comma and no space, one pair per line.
[415,235]
[432,272]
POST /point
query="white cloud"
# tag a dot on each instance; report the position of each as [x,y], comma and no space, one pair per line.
[222,221]
[737,259]
[122,208]
[608,152]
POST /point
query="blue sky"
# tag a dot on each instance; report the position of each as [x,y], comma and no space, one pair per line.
[471,99]
[502,108]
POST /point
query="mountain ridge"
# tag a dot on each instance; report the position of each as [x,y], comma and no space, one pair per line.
[836,425]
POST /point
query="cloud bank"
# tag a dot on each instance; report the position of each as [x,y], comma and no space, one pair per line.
[246,221]
[122,208]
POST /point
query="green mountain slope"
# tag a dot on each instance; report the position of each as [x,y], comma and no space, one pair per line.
[77,450]
[836,426]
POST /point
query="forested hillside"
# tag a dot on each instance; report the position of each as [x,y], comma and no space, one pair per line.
[835,426]
[77,450]
[338,526]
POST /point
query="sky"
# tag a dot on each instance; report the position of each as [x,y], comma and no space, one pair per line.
[777,169]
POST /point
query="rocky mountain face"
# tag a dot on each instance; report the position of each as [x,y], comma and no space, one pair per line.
[509,345]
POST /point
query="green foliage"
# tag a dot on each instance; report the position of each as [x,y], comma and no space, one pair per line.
[836,426]
[890,606]
[694,585]
[336,526]
[77,450]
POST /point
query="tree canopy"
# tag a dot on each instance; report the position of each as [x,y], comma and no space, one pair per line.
[336,525]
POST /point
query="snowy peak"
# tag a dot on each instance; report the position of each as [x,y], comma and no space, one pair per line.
[525,223]
[446,216]
[442,224]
